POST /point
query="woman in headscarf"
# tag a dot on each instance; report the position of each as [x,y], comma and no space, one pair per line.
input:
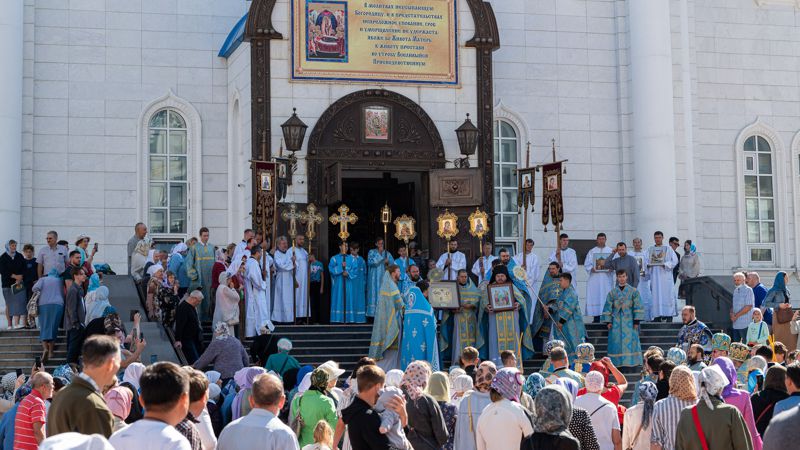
[533,384]
[300,381]
[690,262]
[220,265]
[177,265]
[580,425]
[12,268]
[439,389]
[282,361]
[139,259]
[666,412]
[455,372]
[779,299]
[638,423]
[312,406]
[504,423]
[226,308]
[764,400]
[98,304]
[130,380]
[51,310]
[244,379]
[119,400]
[225,353]
[425,418]
[156,273]
[721,425]
[738,398]
[461,386]
[472,406]
[550,426]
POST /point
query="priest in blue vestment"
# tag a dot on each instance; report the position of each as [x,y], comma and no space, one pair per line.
[459,328]
[378,260]
[199,263]
[384,344]
[345,272]
[403,261]
[418,341]
[569,317]
[623,312]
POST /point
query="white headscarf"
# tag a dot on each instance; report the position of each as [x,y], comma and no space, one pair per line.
[712,382]
[393,378]
[304,384]
[213,376]
[133,373]
[180,247]
[154,268]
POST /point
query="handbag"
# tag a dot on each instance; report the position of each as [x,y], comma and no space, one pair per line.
[784,315]
[297,422]
[33,305]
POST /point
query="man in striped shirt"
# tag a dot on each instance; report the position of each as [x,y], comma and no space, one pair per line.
[667,412]
[31,413]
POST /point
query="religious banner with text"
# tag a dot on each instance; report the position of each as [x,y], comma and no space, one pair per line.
[390,41]
[265,185]
[552,201]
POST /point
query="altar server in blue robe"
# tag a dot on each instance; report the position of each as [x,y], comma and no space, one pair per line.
[344,270]
[378,259]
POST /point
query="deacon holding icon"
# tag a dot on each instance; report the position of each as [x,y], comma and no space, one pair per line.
[659,263]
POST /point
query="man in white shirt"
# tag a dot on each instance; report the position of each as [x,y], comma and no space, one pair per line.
[531,264]
[602,413]
[486,261]
[261,429]
[451,262]
[644,283]
[566,258]
[164,394]
[659,264]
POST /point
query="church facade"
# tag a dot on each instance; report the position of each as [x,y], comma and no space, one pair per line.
[673,115]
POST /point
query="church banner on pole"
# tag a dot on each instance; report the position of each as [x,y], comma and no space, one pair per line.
[389,41]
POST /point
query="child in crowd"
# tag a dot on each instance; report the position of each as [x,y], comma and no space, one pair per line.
[323,437]
[390,420]
[757,331]
[169,298]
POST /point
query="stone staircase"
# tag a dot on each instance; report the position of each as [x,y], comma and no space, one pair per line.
[345,344]
[18,350]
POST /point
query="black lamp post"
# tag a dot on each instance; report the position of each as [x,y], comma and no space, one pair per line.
[294,132]
[467,135]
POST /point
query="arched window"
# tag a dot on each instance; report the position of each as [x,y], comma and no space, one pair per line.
[168,199]
[505,182]
[759,199]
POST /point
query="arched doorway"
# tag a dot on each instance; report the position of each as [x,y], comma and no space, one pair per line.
[370,148]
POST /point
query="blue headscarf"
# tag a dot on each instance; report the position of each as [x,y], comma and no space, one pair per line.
[22,392]
[94,280]
[533,384]
[780,283]
[53,273]
[8,249]
[647,393]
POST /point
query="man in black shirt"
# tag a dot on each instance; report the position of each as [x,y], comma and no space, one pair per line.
[362,421]
[75,316]
[674,243]
[188,332]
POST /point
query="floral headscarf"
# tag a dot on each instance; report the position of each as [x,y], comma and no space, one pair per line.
[9,382]
[533,384]
[712,382]
[484,375]
[553,344]
[508,382]
[682,385]
[462,384]
[416,379]
[647,393]
[221,331]
[553,408]
[319,380]
[22,392]
[65,371]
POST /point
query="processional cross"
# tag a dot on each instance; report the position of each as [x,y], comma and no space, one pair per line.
[342,219]
[311,219]
[292,216]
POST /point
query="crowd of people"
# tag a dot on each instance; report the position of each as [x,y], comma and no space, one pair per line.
[710,391]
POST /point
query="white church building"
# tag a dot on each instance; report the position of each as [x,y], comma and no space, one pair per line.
[674,115]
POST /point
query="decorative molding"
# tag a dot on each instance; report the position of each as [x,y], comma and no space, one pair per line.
[503,112]
[794,3]
[794,174]
[408,133]
[194,152]
[761,128]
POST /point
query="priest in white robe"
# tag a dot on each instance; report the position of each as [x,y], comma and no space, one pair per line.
[284,282]
[659,262]
[257,302]
[238,252]
[644,283]
[531,265]
[484,261]
[301,275]
[566,258]
[451,262]
[600,280]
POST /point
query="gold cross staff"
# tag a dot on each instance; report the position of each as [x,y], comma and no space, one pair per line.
[292,216]
[311,219]
[342,219]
